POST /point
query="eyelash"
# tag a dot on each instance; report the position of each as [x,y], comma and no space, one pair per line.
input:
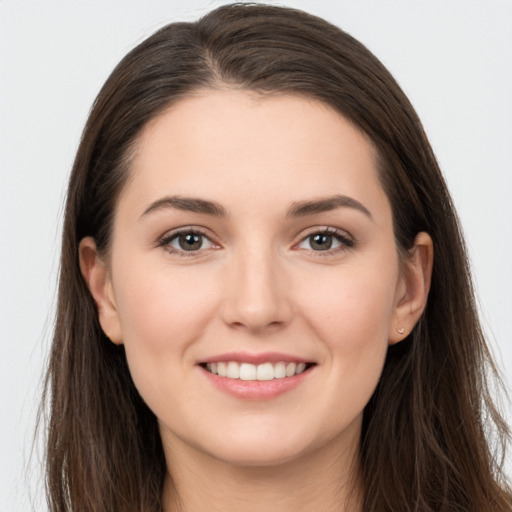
[166,240]
[345,241]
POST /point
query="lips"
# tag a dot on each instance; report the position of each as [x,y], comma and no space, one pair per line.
[256,376]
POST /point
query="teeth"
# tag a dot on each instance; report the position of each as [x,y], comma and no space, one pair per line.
[233,371]
[247,371]
[222,369]
[279,371]
[265,372]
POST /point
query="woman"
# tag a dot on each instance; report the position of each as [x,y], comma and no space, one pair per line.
[264,298]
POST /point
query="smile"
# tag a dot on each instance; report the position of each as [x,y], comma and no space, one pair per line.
[252,372]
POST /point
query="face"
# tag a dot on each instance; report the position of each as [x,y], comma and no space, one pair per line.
[253,276]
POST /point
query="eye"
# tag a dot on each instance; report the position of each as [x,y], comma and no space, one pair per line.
[186,241]
[326,240]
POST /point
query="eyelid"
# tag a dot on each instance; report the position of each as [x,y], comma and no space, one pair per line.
[164,240]
[346,240]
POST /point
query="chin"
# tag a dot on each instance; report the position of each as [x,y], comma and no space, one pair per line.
[265,448]
[255,456]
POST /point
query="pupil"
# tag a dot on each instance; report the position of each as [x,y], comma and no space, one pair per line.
[190,242]
[322,242]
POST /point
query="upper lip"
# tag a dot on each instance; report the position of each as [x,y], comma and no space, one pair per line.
[246,357]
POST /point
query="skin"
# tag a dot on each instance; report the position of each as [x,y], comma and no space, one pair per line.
[257,284]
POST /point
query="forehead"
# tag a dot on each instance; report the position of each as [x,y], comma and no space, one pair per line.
[244,147]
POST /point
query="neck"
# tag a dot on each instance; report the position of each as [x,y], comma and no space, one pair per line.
[325,480]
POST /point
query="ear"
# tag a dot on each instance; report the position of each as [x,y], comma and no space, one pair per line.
[413,288]
[98,279]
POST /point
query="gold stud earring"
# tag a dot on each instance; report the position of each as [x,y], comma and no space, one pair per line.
[400,330]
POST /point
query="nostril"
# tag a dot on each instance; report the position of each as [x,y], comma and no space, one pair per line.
[256,324]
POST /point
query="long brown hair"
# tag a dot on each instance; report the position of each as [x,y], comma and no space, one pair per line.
[427,431]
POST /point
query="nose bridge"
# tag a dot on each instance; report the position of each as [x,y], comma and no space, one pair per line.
[257,296]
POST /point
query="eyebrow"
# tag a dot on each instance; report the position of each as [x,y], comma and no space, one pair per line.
[189,204]
[297,209]
[303,208]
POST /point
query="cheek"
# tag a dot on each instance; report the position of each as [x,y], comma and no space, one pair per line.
[161,315]
[155,303]
[352,300]
[350,313]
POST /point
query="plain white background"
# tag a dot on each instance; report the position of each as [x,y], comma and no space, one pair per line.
[452,57]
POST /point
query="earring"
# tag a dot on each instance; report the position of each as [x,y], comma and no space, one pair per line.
[400,330]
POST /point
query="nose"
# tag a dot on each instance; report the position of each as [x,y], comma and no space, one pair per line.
[256,293]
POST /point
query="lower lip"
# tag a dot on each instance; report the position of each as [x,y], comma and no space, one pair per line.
[256,389]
